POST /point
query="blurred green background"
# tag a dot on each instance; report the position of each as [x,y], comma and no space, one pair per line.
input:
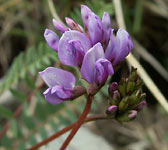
[24,52]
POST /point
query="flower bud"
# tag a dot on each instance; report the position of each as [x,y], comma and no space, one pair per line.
[133,76]
[73,25]
[123,105]
[141,105]
[59,26]
[52,39]
[111,110]
[132,114]
[133,99]
[127,116]
[122,87]
[113,87]
[130,87]
[138,84]
[115,98]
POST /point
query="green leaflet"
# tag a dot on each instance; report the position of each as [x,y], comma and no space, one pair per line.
[33,60]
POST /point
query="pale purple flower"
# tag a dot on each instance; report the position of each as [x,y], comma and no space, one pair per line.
[93,49]
[118,47]
[60,83]
[75,41]
[72,47]
[52,39]
[95,67]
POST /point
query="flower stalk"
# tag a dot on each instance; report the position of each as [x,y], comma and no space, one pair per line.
[79,122]
[66,129]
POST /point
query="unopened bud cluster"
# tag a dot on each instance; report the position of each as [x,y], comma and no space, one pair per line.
[126,99]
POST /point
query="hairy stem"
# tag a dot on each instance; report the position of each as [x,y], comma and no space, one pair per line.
[66,129]
[78,123]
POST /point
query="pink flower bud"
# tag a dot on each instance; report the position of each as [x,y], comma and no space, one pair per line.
[132,114]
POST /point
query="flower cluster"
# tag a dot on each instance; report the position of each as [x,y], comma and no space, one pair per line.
[94,49]
[126,99]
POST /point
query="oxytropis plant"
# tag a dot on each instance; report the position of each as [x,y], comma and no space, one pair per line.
[96,51]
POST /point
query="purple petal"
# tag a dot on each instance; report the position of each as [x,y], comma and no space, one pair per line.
[123,47]
[52,39]
[106,27]
[110,52]
[90,58]
[59,26]
[51,98]
[103,69]
[54,76]
[95,28]
[85,11]
[61,92]
[79,52]
[67,52]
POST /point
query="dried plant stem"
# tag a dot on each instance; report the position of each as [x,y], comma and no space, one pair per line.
[78,123]
[66,129]
[150,59]
[132,61]
[53,11]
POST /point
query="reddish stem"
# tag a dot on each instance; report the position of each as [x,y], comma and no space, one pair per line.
[78,123]
[64,130]
[17,112]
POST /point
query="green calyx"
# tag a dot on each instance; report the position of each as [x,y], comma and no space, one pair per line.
[127,96]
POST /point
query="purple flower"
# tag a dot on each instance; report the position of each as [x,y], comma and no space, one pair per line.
[52,39]
[95,67]
[60,83]
[118,47]
[75,41]
[72,47]
[94,49]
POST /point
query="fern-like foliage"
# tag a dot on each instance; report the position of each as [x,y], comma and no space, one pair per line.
[47,119]
[34,59]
